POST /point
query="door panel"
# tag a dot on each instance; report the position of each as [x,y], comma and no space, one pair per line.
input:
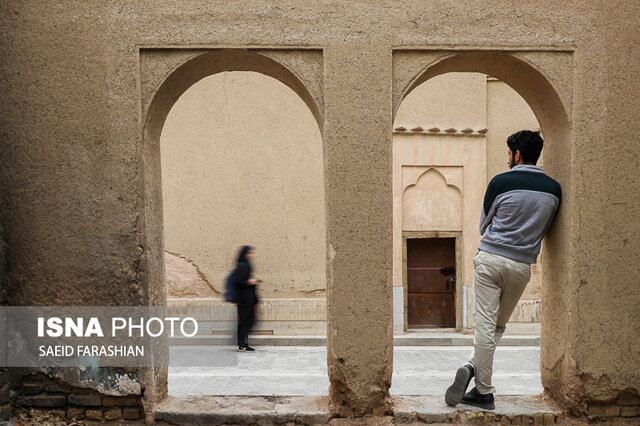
[431,310]
[431,282]
[425,280]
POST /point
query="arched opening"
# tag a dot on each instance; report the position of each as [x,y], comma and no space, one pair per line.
[233,155]
[477,156]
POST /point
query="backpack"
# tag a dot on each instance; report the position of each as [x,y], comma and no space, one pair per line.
[230,291]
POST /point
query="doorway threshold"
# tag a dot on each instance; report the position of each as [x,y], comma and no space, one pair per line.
[243,410]
[518,409]
[267,410]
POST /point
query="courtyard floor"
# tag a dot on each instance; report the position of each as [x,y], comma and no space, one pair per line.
[302,370]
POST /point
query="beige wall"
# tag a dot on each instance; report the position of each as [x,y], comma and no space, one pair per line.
[438,179]
[507,113]
[242,163]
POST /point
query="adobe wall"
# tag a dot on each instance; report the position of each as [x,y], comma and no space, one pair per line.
[242,164]
[82,215]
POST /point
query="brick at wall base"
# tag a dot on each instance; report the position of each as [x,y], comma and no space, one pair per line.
[627,399]
[120,401]
[32,388]
[629,411]
[610,411]
[46,401]
[87,400]
[93,414]
[41,391]
[75,413]
[96,414]
[113,414]
[131,413]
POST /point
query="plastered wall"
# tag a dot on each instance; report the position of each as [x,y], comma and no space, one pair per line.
[87,85]
[242,163]
[507,113]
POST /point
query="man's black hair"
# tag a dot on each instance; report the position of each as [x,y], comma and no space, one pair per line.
[529,143]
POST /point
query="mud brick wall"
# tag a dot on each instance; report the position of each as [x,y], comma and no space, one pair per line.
[626,405]
[38,391]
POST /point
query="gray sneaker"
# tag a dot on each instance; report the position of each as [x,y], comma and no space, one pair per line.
[456,391]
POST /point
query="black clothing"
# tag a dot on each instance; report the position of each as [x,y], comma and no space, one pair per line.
[247,299]
[475,398]
[246,293]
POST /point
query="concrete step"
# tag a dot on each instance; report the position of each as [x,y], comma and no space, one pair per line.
[518,409]
[266,410]
[243,410]
[458,339]
[409,339]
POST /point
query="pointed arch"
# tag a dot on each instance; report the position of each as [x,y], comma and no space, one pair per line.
[444,178]
[432,204]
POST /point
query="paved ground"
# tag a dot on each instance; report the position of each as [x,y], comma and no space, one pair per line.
[302,370]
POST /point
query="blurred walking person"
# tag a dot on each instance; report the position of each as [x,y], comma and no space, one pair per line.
[247,296]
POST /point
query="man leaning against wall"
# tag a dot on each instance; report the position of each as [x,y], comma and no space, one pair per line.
[519,206]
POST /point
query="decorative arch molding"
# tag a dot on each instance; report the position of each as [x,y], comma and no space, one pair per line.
[431,203]
[167,73]
[451,175]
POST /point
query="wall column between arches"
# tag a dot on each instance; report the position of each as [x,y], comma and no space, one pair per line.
[358,176]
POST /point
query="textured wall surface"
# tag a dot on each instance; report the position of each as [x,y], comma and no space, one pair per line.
[242,164]
[87,86]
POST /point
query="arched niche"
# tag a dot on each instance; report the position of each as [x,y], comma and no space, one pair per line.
[165,76]
[431,203]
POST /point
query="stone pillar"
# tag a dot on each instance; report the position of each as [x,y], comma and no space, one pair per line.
[357,135]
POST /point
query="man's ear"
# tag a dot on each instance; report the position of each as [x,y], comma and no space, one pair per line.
[517,157]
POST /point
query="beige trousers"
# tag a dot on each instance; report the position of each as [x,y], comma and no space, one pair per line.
[498,284]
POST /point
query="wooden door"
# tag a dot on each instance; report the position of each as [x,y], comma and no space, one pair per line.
[431,266]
